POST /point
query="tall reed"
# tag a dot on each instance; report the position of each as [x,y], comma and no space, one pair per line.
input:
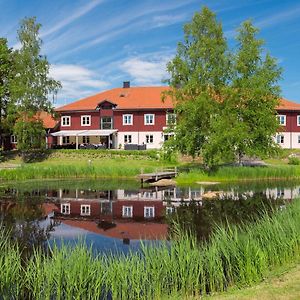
[234,256]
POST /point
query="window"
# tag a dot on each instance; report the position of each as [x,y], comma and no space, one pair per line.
[127,139]
[149,212]
[66,140]
[85,120]
[65,208]
[170,210]
[298,139]
[127,119]
[280,139]
[170,119]
[106,123]
[13,139]
[298,120]
[127,211]
[149,139]
[66,121]
[281,119]
[85,210]
[149,119]
[85,139]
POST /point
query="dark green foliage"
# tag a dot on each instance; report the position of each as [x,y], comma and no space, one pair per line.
[31,134]
[293,160]
[234,256]
[32,87]
[6,76]
[225,99]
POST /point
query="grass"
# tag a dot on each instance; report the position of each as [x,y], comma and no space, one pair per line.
[234,257]
[127,164]
[284,285]
[89,164]
[227,174]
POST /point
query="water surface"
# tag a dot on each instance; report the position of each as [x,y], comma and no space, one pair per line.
[116,216]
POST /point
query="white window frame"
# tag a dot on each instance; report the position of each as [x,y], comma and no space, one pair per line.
[86,118]
[13,139]
[170,210]
[298,120]
[146,121]
[64,122]
[126,137]
[167,118]
[147,210]
[127,211]
[85,209]
[63,207]
[279,136]
[279,119]
[148,138]
[126,121]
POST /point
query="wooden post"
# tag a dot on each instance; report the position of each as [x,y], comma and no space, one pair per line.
[76,138]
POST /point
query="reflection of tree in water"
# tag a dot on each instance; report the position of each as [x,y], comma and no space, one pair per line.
[202,217]
[22,217]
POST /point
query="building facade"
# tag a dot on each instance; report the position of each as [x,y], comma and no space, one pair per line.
[116,119]
[136,118]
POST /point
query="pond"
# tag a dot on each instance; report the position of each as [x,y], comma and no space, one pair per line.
[117,216]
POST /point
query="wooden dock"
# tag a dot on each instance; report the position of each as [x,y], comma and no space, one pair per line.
[158,175]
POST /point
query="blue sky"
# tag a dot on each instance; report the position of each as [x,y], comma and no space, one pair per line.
[96,45]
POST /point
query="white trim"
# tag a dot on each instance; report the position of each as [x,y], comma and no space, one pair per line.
[13,139]
[149,137]
[62,121]
[167,119]
[127,211]
[298,119]
[279,120]
[145,119]
[149,212]
[93,132]
[125,116]
[127,137]
[88,118]
[280,139]
[63,207]
[85,210]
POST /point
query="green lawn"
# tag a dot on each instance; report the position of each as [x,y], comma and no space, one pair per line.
[284,286]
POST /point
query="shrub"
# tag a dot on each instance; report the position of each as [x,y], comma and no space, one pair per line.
[293,160]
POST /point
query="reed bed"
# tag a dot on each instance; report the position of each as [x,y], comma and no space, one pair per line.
[39,171]
[234,256]
[226,174]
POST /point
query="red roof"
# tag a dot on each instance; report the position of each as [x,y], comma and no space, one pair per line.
[288,105]
[47,119]
[124,98]
[131,230]
[140,98]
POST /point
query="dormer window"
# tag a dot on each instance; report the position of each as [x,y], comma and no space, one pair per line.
[85,120]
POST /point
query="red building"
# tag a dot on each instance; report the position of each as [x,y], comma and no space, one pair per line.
[128,116]
[135,118]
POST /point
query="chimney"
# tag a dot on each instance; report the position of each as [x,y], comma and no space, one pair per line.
[126,84]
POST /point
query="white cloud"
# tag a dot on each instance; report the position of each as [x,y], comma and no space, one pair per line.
[81,11]
[167,20]
[77,81]
[282,16]
[146,70]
